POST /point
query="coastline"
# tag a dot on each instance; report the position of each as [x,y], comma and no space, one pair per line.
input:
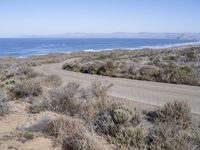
[23,48]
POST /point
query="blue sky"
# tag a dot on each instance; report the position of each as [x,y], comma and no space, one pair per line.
[35,17]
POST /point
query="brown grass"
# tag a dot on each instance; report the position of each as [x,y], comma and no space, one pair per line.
[72,135]
[177,112]
[53,81]
[26,88]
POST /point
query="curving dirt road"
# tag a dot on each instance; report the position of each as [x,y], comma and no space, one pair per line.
[141,91]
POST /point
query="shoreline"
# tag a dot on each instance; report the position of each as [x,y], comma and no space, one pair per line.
[161,47]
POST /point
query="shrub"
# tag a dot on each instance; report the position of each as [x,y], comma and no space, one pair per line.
[27,71]
[75,101]
[4,106]
[131,137]
[38,105]
[10,82]
[65,99]
[24,69]
[109,122]
[26,88]
[98,90]
[178,74]
[6,75]
[107,68]
[72,134]
[177,112]
[148,73]
[167,136]
[122,115]
[28,135]
[53,80]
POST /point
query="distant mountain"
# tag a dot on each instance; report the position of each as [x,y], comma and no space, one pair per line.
[140,35]
[189,36]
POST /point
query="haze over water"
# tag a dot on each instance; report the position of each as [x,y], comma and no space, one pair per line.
[39,46]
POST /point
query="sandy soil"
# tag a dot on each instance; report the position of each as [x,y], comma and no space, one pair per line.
[147,92]
[10,124]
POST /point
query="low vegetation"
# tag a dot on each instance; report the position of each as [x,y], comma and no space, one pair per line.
[4,106]
[26,88]
[87,118]
[179,66]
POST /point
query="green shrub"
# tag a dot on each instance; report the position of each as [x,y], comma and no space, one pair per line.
[172,73]
[28,135]
[122,115]
[10,82]
[109,122]
[131,137]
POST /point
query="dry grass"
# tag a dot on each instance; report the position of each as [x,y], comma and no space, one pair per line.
[72,135]
[53,81]
[73,100]
[25,70]
[177,112]
[26,88]
[168,136]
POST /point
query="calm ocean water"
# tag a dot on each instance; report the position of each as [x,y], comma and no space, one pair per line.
[40,46]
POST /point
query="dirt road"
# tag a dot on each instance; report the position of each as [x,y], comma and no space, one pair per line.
[141,91]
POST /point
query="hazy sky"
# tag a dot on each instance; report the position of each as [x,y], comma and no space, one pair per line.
[25,17]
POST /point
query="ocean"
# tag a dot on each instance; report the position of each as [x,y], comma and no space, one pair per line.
[20,47]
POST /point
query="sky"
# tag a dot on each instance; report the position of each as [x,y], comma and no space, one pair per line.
[47,17]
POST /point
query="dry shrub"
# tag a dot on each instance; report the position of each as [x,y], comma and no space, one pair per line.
[27,71]
[106,68]
[53,80]
[72,135]
[26,88]
[4,106]
[167,136]
[177,112]
[98,90]
[24,69]
[38,104]
[73,100]
[150,73]
[65,99]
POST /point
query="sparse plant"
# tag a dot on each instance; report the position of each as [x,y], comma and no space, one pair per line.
[28,135]
[26,88]
[177,112]
[4,106]
[168,136]
[72,134]
[53,80]
[26,71]
[65,99]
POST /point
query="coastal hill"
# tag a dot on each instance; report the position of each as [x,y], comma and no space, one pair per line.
[139,35]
